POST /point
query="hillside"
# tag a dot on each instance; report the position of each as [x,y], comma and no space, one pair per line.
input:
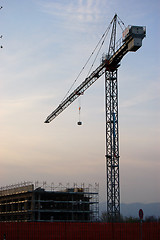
[132,209]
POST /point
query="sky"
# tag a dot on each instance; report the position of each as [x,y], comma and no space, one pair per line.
[45,45]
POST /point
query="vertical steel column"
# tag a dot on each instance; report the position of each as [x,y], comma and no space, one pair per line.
[112,145]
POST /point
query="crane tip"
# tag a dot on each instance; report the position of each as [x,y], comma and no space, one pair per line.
[46,121]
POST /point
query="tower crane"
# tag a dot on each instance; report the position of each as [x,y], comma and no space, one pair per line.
[130,41]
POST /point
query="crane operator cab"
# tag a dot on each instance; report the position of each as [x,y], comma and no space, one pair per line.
[133,35]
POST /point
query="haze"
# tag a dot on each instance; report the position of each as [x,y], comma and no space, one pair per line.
[45,45]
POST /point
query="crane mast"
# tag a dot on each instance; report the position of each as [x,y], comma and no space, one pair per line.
[112,135]
[131,41]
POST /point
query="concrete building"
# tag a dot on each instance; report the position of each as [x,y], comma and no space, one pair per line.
[27,202]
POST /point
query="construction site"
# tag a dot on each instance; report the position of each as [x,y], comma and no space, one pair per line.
[41,211]
[28,202]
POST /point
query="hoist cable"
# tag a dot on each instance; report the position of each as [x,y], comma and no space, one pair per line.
[121,22]
[98,51]
[102,38]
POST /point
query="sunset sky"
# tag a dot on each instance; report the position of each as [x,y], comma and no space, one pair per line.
[45,45]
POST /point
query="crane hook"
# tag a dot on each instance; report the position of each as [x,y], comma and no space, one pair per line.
[79,122]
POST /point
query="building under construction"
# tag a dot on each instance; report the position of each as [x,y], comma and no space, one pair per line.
[34,203]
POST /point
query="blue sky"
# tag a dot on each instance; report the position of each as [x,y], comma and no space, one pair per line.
[45,45]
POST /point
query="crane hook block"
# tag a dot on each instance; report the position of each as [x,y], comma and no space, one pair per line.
[79,123]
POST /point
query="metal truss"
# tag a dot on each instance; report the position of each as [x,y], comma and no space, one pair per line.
[112,146]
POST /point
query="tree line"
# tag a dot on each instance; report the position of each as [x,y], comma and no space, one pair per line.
[103,218]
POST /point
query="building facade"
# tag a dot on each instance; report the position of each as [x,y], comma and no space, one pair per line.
[26,202]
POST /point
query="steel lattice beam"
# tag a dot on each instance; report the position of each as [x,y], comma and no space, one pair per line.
[112,146]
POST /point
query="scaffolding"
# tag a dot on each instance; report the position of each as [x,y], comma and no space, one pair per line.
[42,202]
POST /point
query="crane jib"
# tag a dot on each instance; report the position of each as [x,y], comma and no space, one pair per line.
[131,41]
[106,64]
[77,92]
